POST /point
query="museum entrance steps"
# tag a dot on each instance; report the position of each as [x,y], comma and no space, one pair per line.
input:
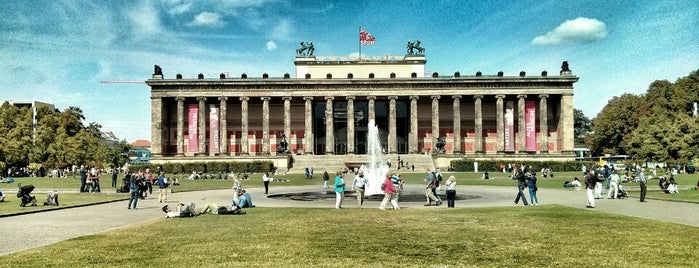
[332,163]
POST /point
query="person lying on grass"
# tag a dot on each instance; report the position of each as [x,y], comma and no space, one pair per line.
[182,211]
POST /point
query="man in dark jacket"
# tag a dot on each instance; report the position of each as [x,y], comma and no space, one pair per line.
[521,184]
[590,181]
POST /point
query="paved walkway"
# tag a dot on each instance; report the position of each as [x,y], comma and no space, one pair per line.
[38,229]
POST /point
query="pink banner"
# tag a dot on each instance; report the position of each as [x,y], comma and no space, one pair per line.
[530,125]
[193,119]
[509,126]
[213,129]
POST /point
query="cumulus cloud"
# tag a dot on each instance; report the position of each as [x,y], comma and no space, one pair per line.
[145,20]
[271,45]
[282,30]
[207,19]
[578,30]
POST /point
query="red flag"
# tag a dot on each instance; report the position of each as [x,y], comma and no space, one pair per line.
[366,38]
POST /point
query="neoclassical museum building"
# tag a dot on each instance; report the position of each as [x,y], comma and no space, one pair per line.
[325,107]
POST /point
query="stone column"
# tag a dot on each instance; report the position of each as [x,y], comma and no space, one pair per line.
[456,112]
[287,119]
[522,127]
[265,126]
[392,139]
[156,116]
[223,125]
[372,110]
[500,121]
[543,123]
[244,143]
[308,131]
[329,130]
[350,124]
[478,111]
[567,120]
[435,122]
[412,145]
[202,125]
[180,126]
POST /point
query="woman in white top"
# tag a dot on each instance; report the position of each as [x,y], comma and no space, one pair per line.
[451,191]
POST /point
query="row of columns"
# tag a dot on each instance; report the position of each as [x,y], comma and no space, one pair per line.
[392,139]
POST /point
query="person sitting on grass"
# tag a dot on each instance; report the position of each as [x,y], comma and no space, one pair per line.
[2,196]
[245,200]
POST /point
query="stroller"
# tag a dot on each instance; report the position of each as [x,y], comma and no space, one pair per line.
[24,193]
[622,193]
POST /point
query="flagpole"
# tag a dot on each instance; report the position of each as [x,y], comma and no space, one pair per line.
[360,43]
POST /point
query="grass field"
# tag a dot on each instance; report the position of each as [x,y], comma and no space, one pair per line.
[465,237]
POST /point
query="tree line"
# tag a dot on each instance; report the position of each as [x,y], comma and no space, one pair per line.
[59,139]
[659,125]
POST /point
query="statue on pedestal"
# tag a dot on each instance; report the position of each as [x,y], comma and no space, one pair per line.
[413,46]
[306,49]
[157,70]
[283,147]
[441,142]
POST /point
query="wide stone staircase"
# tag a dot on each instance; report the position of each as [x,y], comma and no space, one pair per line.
[332,163]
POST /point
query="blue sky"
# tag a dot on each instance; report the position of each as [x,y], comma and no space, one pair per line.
[59,51]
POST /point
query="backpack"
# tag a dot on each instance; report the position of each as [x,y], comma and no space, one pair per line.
[437,178]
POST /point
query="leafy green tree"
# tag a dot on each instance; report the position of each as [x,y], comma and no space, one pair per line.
[582,126]
[612,125]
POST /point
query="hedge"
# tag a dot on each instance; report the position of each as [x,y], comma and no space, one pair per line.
[209,167]
[466,165]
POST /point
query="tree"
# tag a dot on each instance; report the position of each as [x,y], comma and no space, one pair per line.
[612,125]
[582,126]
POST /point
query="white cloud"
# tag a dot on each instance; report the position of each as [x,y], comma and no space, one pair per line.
[282,31]
[271,45]
[207,19]
[578,30]
[145,20]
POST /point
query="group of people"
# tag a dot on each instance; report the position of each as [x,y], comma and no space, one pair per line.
[596,177]
[89,180]
[526,180]
[141,183]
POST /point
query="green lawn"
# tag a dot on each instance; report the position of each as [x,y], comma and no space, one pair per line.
[464,237]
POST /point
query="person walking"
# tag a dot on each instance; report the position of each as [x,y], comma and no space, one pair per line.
[339,190]
[613,185]
[451,191]
[326,178]
[590,183]
[388,191]
[115,172]
[531,184]
[429,189]
[134,186]
[265,181]
[398,186]
[643,183]
[358,186]
[162,188]
[83,179]
[521,184]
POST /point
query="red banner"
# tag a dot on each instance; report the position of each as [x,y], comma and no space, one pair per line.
[509,126]
[214,135]
[530,125]
[193,119]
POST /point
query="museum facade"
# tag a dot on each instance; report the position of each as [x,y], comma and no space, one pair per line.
[326,106]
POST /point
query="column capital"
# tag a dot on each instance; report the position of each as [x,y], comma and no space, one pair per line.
[179,98]
[456,97]
[392,97]
[522,96]
[329,98]
[350,97]
[286,98]
[543,96]
[244,98]
[414,97]
[201,98]
[477,97]
[307,98]
[500,96]
[223,98]
[265,98]
[370,97]
[435,97]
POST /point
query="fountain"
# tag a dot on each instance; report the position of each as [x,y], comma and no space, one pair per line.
[376,169]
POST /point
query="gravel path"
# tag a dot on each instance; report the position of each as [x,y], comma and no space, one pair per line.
[39,229]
